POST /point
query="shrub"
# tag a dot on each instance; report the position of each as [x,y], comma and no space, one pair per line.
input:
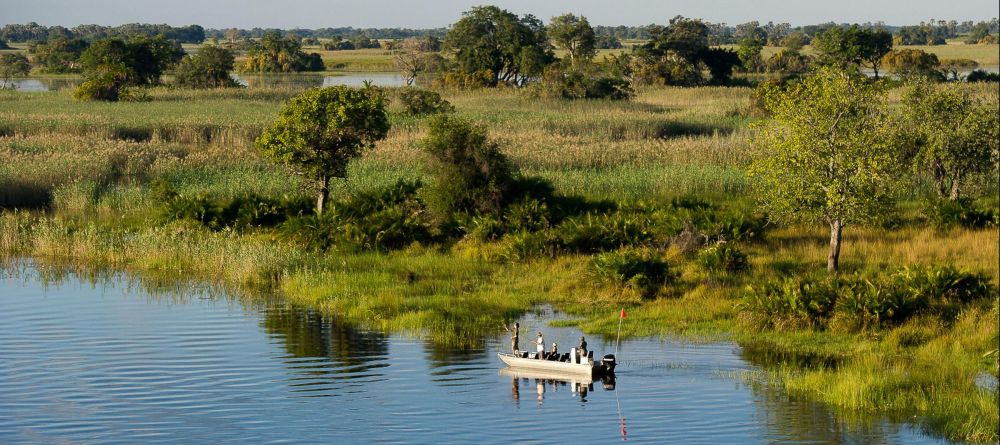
[644,272]
[792,303]
[944,214]
[418,101]
[863,302]
[208,69]
[982,76]
[723,257]
[105,86]
[238,213]
[469,172]
[387,218]
[586,82]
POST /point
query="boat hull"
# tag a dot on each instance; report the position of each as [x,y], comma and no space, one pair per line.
[549,367]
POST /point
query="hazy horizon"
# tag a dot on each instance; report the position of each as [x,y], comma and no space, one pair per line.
[312,14]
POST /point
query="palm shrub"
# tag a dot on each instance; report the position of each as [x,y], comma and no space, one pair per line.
[791,303]
[644,272]
[723,257]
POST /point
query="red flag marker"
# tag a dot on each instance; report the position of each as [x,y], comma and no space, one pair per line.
[623,313]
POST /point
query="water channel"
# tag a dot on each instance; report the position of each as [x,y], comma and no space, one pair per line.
[107,358]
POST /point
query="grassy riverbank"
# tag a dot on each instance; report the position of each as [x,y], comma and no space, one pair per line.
[85,176]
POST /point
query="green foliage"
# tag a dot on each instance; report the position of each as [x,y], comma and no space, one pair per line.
[827,154]
[951,136]
[913,64]
[585,81]
[862,301]
[575,35]
[12,65]
[275,54]
[241,212]
[854,45]
[644,271]
[945,214]
[386,218]
[112,64]
[208,69]
[723,257]
[418,101]
[788,62]
[319,131]
[788,304]
[59,55]
[982,76]
[489,39]
[469,172]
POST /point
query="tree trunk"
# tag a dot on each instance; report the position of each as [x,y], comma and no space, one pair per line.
[953,195]
[833,259]
[324,191]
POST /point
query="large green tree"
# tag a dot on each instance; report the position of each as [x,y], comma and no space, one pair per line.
[950,135]
[826,154]
[575,35]
[853,46]
[491,40]
[109,65]
[319,131]
[276,54]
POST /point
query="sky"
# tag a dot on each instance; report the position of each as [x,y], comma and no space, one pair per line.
[312,14]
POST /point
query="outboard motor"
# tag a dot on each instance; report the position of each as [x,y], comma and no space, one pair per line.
[608,363]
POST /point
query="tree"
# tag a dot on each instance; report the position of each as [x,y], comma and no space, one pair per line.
[496,42]
[469,172]
[111,64]
[276,54]
[575,35]
[208,69]
[912,64]
[12,65]
[319,131]
[846,46]
[415,55]
[751,39]
[826,154]
[795,41]
[951,135]
[59,55]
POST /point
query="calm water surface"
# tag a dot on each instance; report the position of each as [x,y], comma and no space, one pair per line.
[106,360]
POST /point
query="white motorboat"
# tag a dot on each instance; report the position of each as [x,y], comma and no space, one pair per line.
[565,364]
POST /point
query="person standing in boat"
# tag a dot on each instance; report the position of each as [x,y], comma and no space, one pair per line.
[555,350]
[582,349]
[514,333]
[540,346]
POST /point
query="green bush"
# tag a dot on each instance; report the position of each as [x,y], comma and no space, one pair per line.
[469,172]
[645,271]
[792,303]
[723,257]
[387,218]
[105,86]
[585,82]
[863,302]
[418,101]
[944,214]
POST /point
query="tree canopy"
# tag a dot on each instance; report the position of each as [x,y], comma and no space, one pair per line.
[491,40]
[951,135]
[854,45]
[276,54]
[319,131]
[575,35]
[208,69]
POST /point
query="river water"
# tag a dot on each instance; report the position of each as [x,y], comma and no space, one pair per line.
[106,359]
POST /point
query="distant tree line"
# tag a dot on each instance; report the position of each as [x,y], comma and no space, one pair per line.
[33,32]
[348,33]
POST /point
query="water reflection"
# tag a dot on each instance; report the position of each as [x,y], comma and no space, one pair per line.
[39,85]
[324,353]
